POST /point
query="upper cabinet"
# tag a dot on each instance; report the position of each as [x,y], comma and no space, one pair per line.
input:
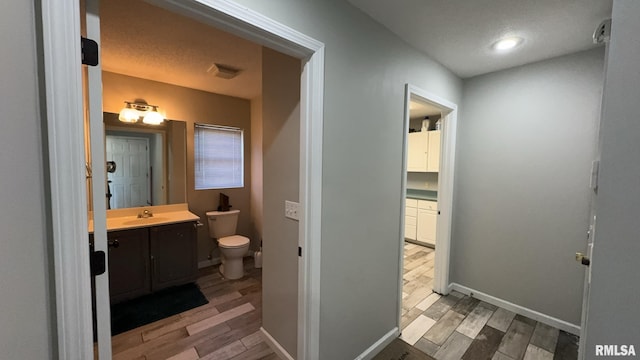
[417,152]
[423,153]
[433,152]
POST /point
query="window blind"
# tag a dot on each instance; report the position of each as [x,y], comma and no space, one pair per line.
[218,157]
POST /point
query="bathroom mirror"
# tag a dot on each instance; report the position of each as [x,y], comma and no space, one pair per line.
[150,163]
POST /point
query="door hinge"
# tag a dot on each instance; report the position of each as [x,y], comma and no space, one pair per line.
[299,251]
[89,51]
[97,263]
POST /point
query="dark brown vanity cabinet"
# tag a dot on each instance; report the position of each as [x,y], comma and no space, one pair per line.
[174,255]
[128,264]
[145,260]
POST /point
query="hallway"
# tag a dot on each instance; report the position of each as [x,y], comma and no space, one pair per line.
[461,327]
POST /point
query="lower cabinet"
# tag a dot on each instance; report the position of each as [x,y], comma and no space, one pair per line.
[145,260]
[426,229]
[410,219]
[128,264]
[420,221]
[174,255]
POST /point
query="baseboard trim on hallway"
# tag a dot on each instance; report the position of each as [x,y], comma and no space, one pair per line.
[374,349]
[538,316]
[275,346]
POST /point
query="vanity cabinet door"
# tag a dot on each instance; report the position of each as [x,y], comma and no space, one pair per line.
[174,257]
[128,264]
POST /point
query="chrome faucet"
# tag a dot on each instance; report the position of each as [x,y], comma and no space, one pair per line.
[145,214]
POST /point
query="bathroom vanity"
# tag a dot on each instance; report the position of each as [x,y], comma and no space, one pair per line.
[150,253]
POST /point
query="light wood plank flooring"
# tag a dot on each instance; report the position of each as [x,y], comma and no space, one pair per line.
[228,327]
[461,327]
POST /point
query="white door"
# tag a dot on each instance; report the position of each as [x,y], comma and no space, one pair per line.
[130,182]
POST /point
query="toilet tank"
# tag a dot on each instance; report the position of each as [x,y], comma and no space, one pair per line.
[222,223]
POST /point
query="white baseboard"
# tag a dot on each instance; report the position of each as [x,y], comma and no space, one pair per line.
[207,263]
[374,349]
[275,346]
[538,316]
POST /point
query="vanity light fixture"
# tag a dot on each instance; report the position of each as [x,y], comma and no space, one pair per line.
[507,43]
[133,111]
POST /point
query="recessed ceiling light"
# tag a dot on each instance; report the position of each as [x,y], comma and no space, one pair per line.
[507,43]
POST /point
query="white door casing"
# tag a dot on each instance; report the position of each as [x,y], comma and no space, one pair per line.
[445,189]
[63,93]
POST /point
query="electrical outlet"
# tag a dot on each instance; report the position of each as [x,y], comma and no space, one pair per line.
[291,210]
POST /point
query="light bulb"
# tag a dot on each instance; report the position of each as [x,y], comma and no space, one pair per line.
[153,118]
[129,115]
[507,43]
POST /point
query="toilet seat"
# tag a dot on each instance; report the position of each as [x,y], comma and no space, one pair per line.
[233,241]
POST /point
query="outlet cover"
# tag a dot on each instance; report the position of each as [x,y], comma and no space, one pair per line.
[291,210]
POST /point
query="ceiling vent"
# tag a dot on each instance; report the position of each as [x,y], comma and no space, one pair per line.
[223,71]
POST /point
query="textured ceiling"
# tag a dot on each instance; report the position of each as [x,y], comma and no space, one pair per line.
[148,42]
[459,33]
[142,40]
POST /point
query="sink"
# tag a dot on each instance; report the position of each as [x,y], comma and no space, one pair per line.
[146,221]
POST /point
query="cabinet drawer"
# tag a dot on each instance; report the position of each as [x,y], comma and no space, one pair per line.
[410,228]
[410,211]
[427,205]
[411,203]
[410,220]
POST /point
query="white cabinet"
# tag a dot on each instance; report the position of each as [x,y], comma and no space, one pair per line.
[420,217]
[433,151]
[417,151]
[410,219]
[426,222]
[423,151]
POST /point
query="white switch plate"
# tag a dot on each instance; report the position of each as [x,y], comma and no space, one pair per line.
[291,210]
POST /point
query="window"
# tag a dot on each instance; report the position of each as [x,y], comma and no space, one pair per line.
[219,157]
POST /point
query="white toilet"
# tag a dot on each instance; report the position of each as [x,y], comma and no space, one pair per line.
[222,227]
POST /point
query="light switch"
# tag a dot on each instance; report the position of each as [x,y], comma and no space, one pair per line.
[291,210]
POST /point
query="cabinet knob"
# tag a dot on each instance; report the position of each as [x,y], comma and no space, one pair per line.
[113,243]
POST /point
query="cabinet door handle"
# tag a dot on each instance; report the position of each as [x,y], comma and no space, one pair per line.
[113,243]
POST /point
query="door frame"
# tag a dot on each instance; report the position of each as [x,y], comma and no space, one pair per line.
[67,208]
[445,189]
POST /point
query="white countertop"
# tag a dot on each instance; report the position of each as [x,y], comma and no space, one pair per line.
[122,219]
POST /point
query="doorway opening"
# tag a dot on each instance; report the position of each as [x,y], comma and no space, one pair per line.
[63,92]
[429,138]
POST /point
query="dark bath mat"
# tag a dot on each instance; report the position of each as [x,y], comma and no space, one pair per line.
[153,307]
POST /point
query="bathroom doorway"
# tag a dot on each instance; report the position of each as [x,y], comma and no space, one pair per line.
[64,94]
[428,162]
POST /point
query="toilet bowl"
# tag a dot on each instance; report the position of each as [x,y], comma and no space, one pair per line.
[222,227]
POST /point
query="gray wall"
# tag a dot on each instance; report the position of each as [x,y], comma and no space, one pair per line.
[365,72]
[613,314]
[26,305]
[281,168]
[526,140]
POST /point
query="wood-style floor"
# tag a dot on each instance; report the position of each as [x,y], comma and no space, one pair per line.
[228,327]
[461,327]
